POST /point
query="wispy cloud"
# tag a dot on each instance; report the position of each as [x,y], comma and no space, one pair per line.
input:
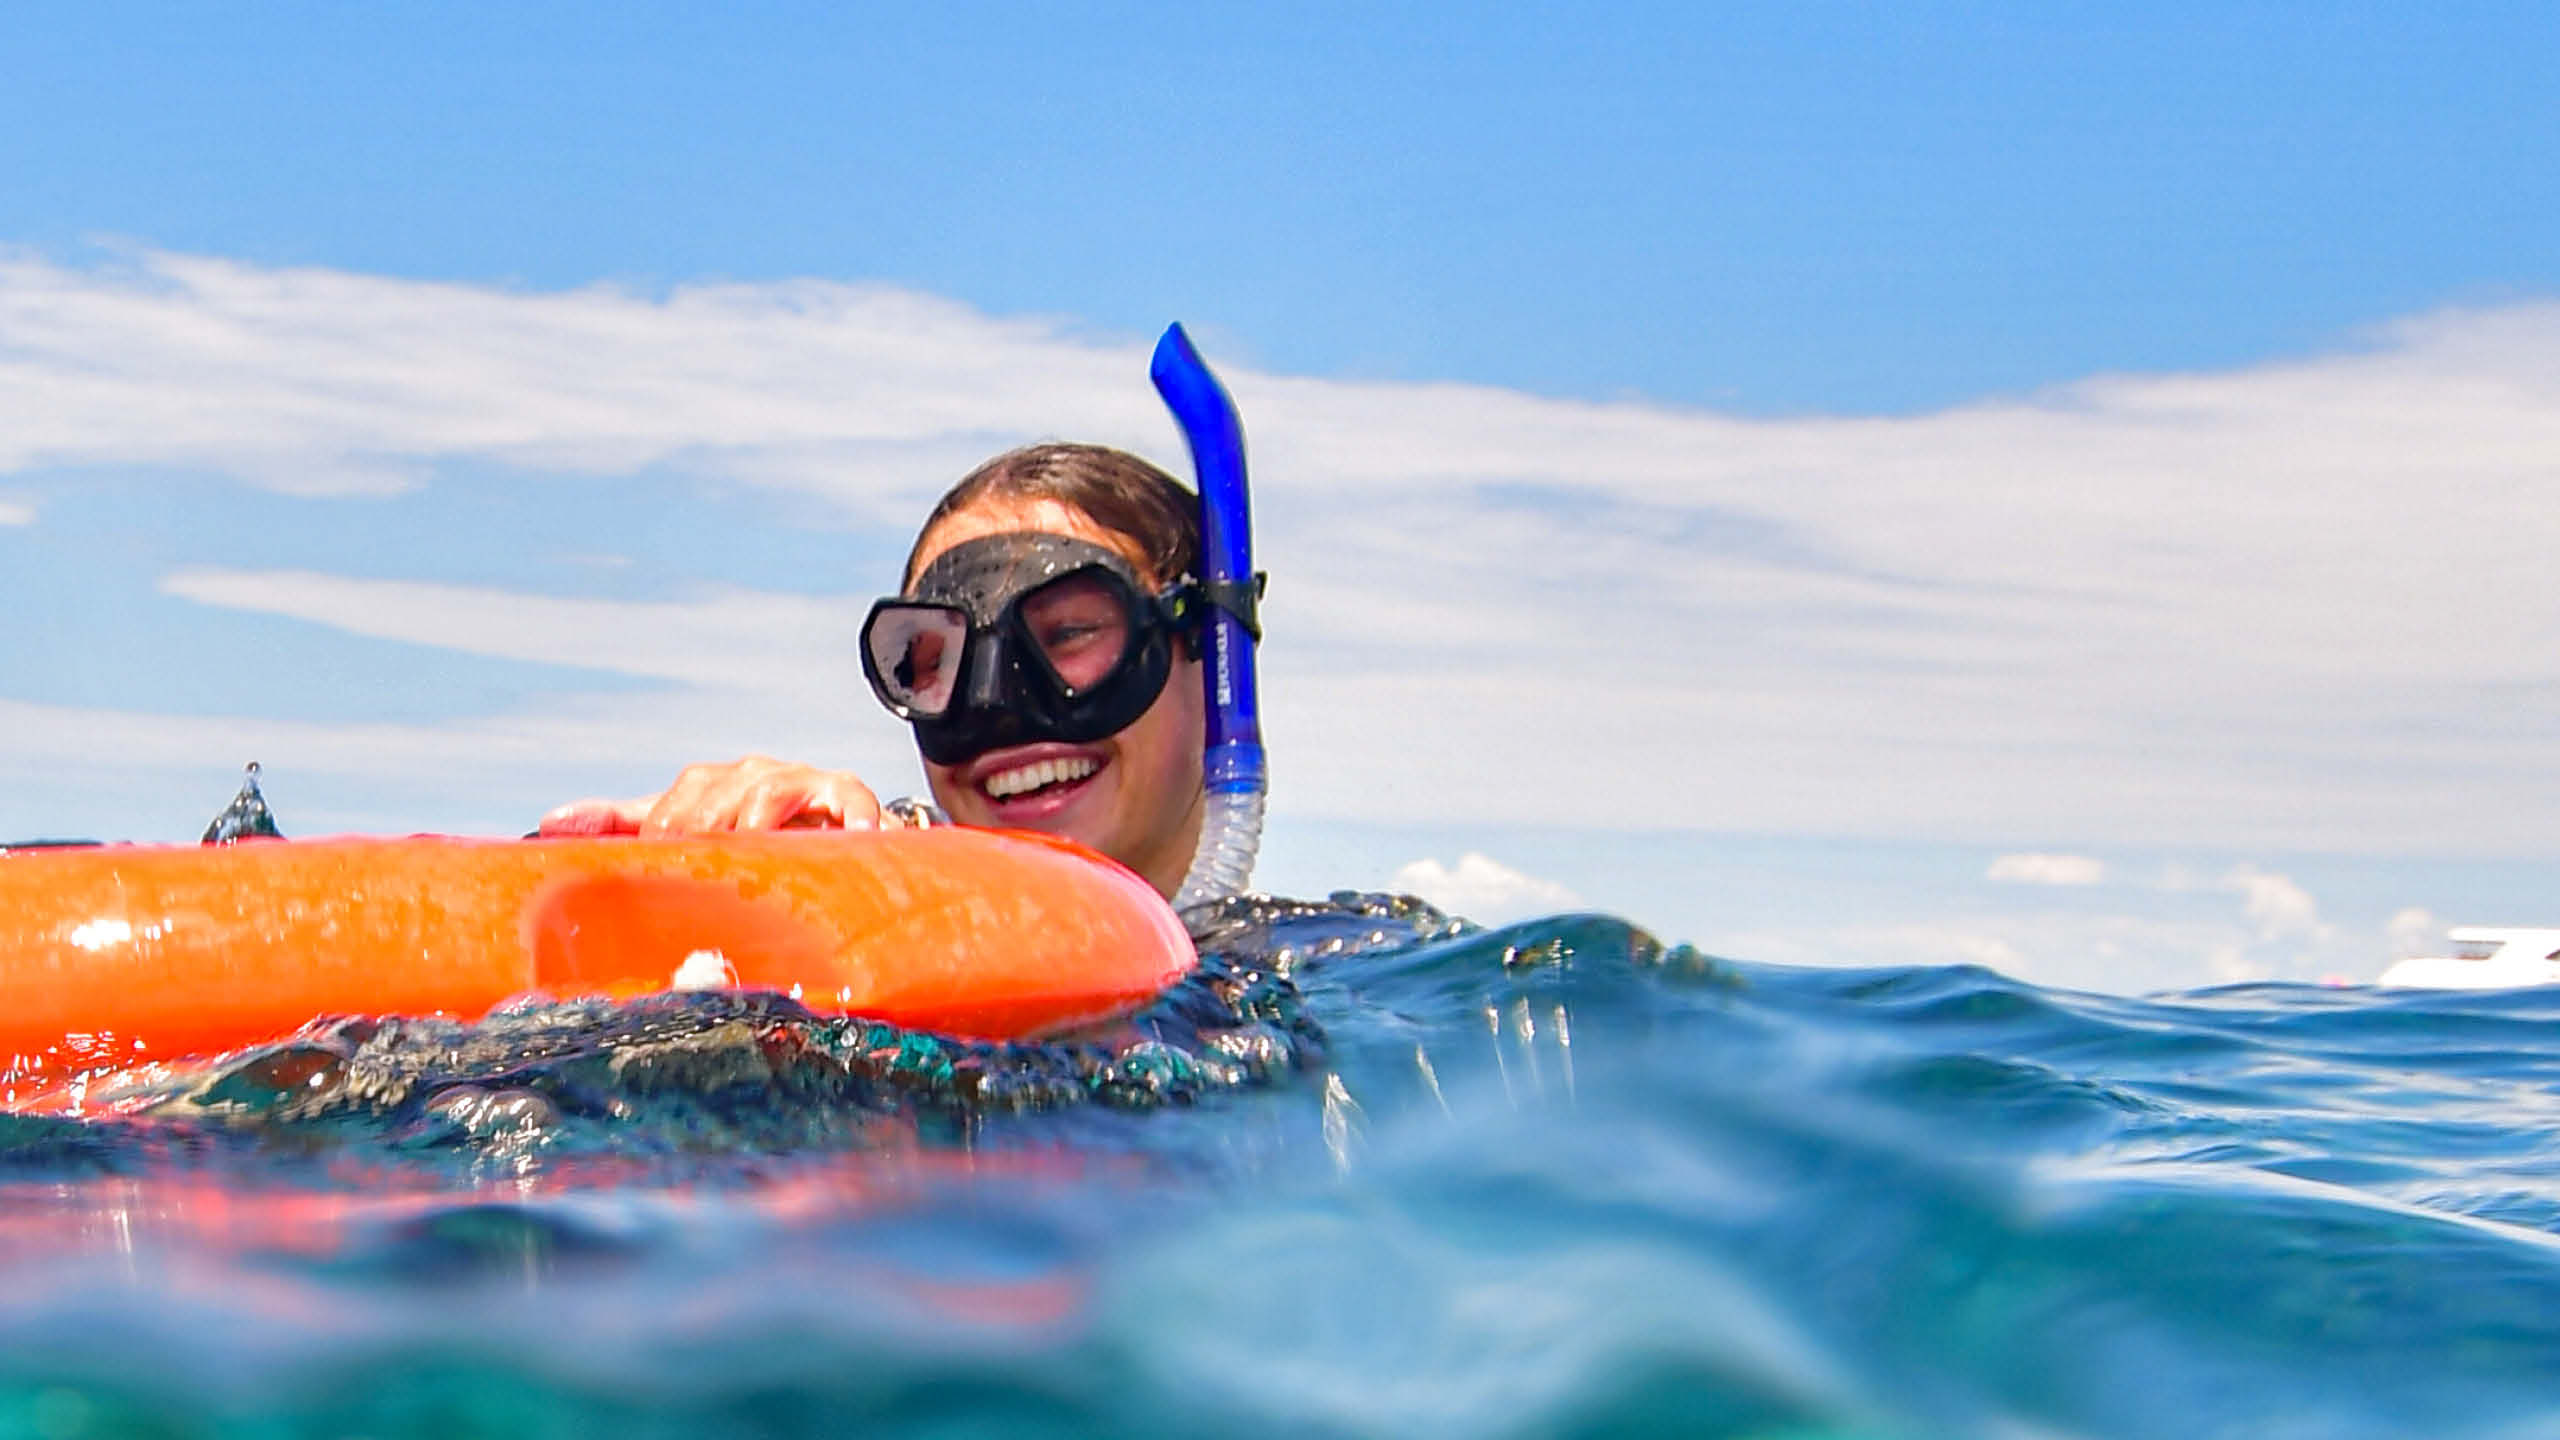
[322,382]
[2124,950]
[16,512]
[2042,869]
[1483,889]
[2278,908]
[2178,928]
[136,774]
[746,643]
[2415,931]
[2218,609]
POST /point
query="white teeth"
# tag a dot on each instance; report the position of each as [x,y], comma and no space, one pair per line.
[1006,783]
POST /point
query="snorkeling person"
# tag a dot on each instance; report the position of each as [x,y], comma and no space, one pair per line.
[1048,572]
[1047,645]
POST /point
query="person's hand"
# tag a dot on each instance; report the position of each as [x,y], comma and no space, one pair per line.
[756,793]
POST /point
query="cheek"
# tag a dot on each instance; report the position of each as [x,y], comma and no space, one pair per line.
[943,782]
[1175,725]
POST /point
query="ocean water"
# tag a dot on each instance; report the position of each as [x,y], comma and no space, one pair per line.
[1373,1172]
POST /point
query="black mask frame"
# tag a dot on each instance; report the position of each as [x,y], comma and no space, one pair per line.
[1005,691]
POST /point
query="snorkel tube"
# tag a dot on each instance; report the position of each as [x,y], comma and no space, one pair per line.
[1231,766]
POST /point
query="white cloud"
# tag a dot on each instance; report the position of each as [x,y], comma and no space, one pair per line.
[130,774]
[2278,908]
[2110,952]
[747,643]
[2220,610]
[16,512]
[2118,950]
[1483,889]
[2042,869]
[2178,932]
[2415,931]
[319,382]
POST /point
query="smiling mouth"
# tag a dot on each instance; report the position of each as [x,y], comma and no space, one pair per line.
[1038,776]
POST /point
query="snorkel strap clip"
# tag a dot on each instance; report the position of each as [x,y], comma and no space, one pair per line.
[1240,598]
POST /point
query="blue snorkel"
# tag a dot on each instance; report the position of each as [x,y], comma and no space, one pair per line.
[1231,766]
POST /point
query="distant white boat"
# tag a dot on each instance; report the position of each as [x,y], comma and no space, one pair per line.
[2486,957]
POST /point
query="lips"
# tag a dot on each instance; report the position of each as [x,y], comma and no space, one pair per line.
[1033,786]
[1037,775]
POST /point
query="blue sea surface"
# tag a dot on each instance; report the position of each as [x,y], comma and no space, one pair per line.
[1374,1172]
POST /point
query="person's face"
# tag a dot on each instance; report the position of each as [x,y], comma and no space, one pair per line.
[1134,795]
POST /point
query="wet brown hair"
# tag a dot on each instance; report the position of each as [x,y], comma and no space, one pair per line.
[1116,490]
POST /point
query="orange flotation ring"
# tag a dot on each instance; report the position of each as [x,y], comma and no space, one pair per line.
[177,950]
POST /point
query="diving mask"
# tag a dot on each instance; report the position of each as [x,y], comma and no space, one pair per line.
[1022,637]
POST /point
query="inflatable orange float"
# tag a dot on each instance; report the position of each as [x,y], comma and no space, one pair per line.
[157,952]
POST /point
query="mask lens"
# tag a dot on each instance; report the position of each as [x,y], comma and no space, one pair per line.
[1081,624]
[915,654]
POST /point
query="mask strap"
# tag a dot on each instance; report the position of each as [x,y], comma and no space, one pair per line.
[1240,598]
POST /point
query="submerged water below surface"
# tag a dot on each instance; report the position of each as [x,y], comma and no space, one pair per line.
[1370,1173]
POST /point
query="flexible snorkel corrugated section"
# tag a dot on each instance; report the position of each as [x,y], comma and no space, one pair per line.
[1232,765]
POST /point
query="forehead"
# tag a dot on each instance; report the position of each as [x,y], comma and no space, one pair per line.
[1005,515]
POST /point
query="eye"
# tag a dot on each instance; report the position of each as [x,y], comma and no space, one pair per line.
[1063,634]
[1081,624]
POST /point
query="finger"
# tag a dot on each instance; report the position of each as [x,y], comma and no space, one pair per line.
[849,802]
[787,802]
[595,817]
[703,798]
[806,798]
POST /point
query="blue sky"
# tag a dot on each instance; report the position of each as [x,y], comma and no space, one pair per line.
[1757,467]
[1768,208]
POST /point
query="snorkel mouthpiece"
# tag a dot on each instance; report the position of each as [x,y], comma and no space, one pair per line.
[1232,765]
